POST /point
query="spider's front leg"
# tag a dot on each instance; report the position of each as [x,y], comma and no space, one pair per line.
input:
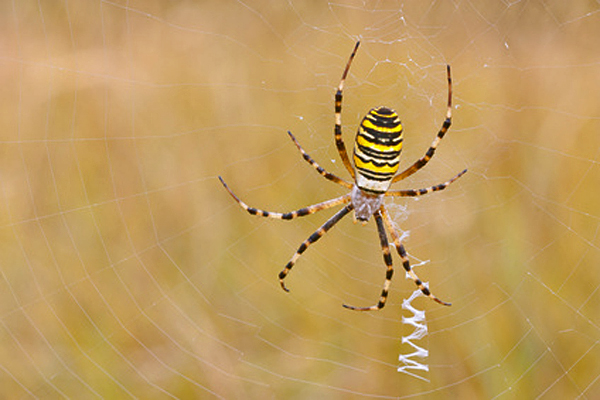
[387,258]
[405,262]
[318,234]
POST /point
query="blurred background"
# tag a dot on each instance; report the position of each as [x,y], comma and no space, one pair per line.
[127,271]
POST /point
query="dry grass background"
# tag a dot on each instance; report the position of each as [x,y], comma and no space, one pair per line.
[126,270]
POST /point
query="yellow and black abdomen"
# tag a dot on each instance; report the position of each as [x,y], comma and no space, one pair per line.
[377,150]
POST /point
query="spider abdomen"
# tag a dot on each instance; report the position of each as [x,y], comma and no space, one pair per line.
[377,149]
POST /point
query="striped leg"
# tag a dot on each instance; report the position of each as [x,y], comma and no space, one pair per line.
[316,166]
[404,257]
[339,142]
[420,163]
[292,214]
[421,192]
[387,257]
[318,234]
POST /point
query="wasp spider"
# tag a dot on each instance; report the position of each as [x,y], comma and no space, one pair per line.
[376,159]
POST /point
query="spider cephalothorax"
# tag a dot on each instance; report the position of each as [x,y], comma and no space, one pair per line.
[376,157]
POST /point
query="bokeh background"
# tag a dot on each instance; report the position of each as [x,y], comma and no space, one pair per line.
[127,271]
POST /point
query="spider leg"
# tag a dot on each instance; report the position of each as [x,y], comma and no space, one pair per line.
[420,192]
[292,214]
[387,257]
[339,142]
[318,234]
[404,257]
[316,166]
[420,163]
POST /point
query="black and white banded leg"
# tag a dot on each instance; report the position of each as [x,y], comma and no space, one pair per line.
[420,163]
[337,131]
[316,166]
[318,234]
[405,262]
[292,214]
[387,258]
[421,192]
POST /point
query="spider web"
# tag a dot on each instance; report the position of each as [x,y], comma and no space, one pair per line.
[127,271]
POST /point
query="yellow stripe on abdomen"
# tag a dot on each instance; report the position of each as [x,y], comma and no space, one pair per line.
[361,140]
[376,169]
[377,149]
[382,129]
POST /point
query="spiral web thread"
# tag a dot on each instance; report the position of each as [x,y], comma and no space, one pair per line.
[410,362]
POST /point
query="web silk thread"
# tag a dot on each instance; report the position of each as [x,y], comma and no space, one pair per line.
[411,362]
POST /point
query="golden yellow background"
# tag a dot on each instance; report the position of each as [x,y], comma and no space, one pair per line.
[127,271]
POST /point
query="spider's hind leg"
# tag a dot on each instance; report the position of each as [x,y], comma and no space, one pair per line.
[421,162]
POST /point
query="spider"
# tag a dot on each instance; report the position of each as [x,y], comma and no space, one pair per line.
[376,157]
